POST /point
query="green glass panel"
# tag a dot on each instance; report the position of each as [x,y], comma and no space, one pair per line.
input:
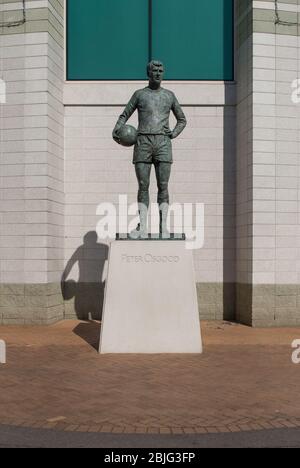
[107,39]
[194,38]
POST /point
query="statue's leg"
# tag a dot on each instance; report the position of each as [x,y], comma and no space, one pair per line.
[143,172]
[163,172]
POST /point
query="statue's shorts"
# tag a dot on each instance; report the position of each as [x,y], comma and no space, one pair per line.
[153,149]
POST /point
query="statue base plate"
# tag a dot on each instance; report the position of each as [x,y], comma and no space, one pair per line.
[171,237]
[150,303]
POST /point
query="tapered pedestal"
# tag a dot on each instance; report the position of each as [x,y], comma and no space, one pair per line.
[150,301]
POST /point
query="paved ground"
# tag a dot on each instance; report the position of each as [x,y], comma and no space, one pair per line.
[55,379]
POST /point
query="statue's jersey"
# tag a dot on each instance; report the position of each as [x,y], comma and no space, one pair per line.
[154,107]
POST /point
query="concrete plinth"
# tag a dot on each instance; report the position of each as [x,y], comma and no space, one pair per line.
[150,301]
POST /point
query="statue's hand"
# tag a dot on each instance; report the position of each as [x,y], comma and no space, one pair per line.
[170,134]
[115,136]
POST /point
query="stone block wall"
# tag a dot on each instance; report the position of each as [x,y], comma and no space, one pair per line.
[32,162]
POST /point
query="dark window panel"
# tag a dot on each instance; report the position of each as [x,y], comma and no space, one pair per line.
[107,39]
[194,38]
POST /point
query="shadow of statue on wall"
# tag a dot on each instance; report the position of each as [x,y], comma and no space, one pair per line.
[86,295]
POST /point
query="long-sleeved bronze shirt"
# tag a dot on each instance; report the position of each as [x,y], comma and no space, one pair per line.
[154,107]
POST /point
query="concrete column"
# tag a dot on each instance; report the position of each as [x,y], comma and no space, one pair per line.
[32,160]
[244,64]
[268,168]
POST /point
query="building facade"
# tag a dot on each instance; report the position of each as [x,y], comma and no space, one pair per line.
[238,156]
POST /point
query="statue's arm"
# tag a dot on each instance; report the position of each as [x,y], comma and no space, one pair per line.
[180,117]
[127,113]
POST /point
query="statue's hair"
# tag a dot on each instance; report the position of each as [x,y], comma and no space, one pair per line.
[153,63]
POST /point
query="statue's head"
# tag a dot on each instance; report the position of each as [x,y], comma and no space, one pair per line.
[155,72]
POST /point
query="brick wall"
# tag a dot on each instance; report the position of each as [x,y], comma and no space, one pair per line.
[32,168]
[97,170]
[268,166]
[239,156]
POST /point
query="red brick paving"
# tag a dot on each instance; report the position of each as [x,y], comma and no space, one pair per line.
[54,378]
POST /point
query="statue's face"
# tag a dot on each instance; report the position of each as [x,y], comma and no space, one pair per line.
[156,74]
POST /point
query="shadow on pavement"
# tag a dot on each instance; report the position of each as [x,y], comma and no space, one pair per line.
[89,332]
